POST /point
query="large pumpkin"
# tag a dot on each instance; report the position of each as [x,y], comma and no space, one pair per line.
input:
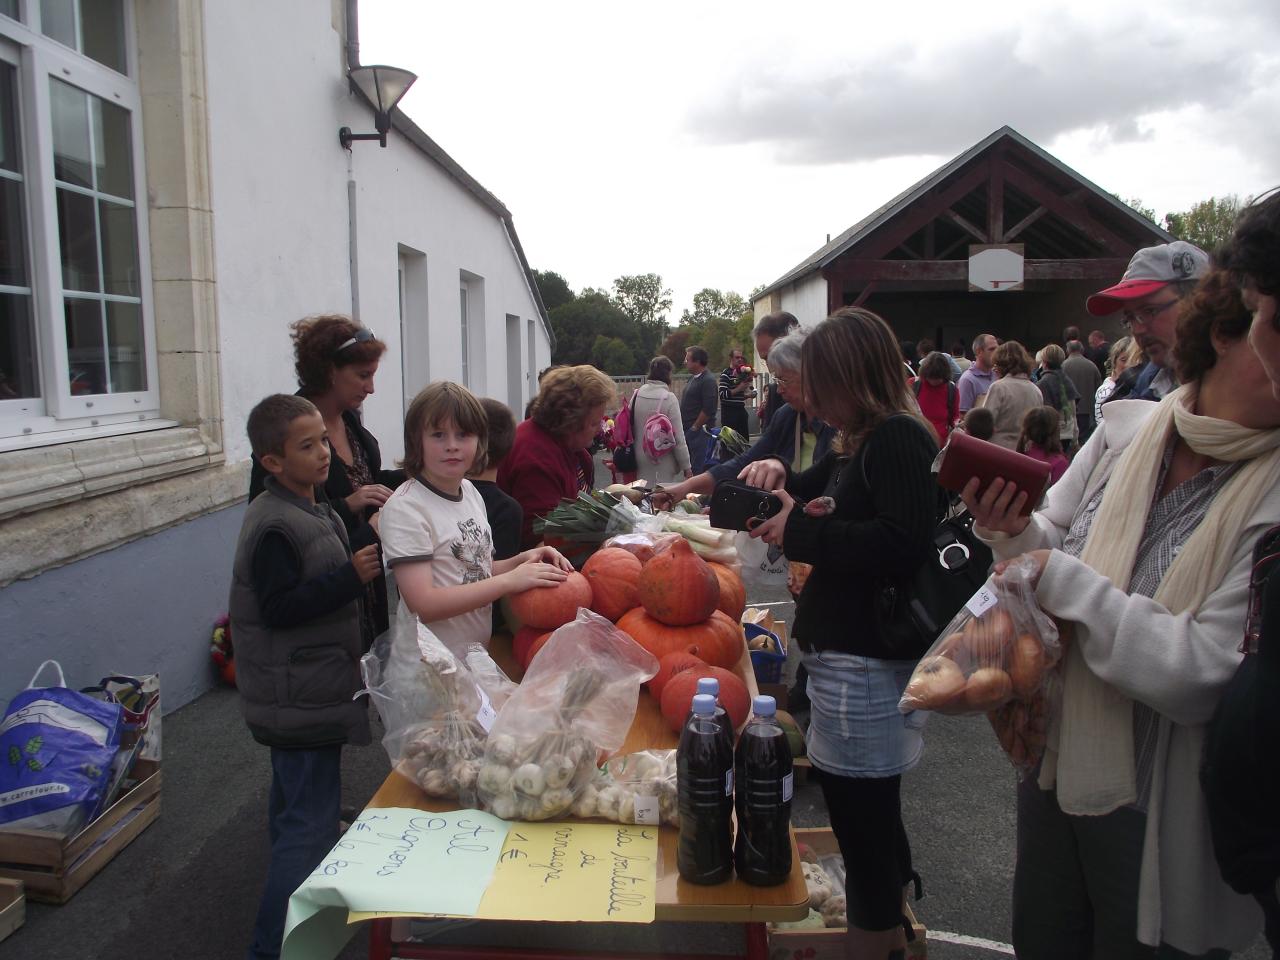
[613,574]
[677,696]
[678,587]
[551,607]
[733,592]
[717,640]
[523,641]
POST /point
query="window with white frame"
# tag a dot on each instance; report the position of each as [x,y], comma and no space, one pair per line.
[77,348]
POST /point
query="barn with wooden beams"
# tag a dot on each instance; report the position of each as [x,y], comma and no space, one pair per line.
[909,261]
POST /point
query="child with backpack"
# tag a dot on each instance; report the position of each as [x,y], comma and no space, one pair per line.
[662,456]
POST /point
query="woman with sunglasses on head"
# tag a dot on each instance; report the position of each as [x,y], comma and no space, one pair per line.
[336,360]
[1240,775]
[1143,552]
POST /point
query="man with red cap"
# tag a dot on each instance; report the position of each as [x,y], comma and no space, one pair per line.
[1147,297]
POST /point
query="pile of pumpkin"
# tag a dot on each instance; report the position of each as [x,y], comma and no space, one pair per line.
[681,608]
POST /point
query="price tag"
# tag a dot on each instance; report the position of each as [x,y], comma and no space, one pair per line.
[788,786]
[647,811]
[982,601]
[486,714]
[728,782]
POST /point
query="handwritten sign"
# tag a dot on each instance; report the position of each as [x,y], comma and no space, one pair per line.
[399,861]
[575,871]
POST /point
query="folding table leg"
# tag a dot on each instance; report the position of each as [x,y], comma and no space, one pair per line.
[757,941]
[380,940]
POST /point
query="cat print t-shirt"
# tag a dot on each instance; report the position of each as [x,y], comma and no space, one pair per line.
[421,523]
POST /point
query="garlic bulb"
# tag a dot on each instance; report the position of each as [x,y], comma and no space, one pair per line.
[530,780]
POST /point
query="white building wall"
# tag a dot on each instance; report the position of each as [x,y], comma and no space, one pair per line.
[279,180]
[807,299]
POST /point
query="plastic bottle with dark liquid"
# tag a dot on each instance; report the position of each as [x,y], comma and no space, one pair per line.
[764,780]
[704,779]
[712,686]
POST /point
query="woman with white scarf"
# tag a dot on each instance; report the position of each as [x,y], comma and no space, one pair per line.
[1144,549]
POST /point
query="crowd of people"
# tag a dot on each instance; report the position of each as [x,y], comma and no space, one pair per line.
[1148,828]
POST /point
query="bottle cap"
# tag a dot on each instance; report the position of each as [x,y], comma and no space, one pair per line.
[704,705]
[763,706]
[709,685]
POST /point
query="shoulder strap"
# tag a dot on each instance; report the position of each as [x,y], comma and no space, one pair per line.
[915,386]
[944,502]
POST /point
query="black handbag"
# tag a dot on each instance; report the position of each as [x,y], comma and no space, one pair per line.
[911,612]
[624,458]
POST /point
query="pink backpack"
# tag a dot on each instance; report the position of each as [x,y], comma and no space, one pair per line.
[659,436]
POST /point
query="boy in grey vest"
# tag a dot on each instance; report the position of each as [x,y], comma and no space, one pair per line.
[296,620]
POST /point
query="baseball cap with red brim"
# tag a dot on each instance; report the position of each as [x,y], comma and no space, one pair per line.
[1150,269]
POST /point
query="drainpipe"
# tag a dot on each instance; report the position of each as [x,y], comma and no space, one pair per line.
[353,60]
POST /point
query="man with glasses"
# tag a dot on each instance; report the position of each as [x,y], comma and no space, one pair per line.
[1147,297]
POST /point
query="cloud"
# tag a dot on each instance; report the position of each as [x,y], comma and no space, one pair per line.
[1045,78]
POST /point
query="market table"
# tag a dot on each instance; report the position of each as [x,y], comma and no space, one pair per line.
[731,902]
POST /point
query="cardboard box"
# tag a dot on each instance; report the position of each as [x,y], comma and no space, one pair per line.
[54,866]
[828,944]
[13,906]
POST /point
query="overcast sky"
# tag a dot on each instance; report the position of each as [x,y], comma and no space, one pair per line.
[719,143]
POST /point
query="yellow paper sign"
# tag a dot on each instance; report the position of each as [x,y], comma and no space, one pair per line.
[574,872]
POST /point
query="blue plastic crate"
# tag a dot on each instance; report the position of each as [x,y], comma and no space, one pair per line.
[766,663]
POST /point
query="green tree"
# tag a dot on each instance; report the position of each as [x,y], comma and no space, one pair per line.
[1138,206]
[613,356]
[1208,224]
[592,314]
[553,288]
[647,302]
[711,304]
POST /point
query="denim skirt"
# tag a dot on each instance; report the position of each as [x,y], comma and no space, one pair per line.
[855,729]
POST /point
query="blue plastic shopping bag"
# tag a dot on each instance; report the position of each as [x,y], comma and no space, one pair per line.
[56,751]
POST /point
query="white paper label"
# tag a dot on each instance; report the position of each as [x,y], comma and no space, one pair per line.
[982,601]
[486,714]
[728,782]
[788,786]
[647,811]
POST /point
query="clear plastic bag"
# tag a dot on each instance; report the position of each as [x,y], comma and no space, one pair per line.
[643,543]
[576,703]
[435,713]
[1001,647]
[635,788]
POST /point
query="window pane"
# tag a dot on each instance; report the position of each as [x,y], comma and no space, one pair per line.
[78,240]
[119,250]
[58,20]
[102,27]
[125,348]
[72,162]
[13,245]
[9,8]
[10,146]
[112,149]
[18,377]
[86,356]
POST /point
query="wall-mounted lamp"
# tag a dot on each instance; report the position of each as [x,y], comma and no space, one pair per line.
[384,87]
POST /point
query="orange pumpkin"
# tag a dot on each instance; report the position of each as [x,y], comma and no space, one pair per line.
[678,587]
[549,607]
[677,696]
[733,592]
[612,573]
[536,646]
[672,664]
[717,640]
[523,642]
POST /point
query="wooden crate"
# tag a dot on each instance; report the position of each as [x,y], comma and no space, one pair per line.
[13,906]
[828,944]
[54,866]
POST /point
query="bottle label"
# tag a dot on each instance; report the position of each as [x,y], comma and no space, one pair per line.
[788,786]
[647,811]
[728,782]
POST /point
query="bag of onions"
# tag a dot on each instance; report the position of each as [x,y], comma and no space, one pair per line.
[999,649]
[573,707]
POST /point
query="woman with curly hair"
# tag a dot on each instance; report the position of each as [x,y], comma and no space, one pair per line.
[1012,394]
[550,460]
[336,360]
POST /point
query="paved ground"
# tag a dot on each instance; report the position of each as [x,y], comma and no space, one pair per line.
[188,887]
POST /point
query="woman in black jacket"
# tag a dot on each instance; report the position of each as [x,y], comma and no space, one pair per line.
[868,521]
[336,360]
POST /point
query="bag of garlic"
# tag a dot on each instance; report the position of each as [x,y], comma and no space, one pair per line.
[574,705]
[1000,648]
[637,788]
[435,711]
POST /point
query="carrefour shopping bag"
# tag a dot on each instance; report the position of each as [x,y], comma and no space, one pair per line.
[56,751]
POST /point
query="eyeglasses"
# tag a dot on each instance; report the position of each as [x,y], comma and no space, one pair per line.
[1144,315]
[363,335]
[784,382]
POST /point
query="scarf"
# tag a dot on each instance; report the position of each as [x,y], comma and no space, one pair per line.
[1092,759]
